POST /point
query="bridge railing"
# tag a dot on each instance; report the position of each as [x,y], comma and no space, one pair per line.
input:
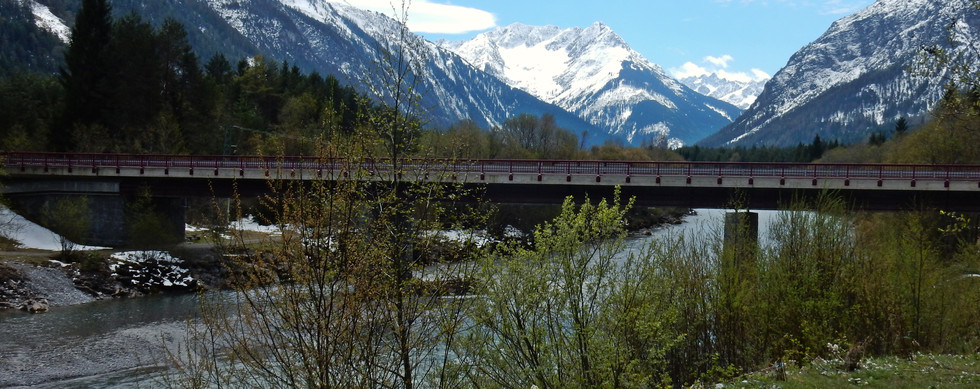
[71,161]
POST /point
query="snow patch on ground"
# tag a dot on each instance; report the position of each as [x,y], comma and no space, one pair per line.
[248,223]
[148,268]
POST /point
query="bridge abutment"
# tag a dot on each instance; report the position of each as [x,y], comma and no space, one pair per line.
[105,219]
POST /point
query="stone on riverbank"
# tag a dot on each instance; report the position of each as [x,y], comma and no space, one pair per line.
[35,305]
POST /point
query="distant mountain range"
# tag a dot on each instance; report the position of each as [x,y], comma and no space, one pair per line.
[593,73]
[858,77]
[740,93]
[617,95]
[852,81]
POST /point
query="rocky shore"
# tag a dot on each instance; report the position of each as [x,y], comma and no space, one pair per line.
[35,287]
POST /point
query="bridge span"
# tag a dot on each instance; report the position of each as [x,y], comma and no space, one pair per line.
[112,180]
[687,184]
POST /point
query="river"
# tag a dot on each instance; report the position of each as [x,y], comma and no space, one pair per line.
[102,344]
[118,343]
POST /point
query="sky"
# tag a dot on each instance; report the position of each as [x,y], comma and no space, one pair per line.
[741,38]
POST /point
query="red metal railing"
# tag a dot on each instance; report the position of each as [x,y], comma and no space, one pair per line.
[912,172]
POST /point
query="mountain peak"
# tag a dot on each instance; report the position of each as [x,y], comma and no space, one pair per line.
[738,91]
[592,72]
[853,79]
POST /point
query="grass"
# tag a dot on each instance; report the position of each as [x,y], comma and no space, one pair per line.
[926,371]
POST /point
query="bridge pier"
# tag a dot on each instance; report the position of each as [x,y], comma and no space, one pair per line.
[112,220]
[741,242]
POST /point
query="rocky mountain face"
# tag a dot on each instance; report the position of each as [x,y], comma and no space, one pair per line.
[860,76]
[593,73]
[348,43]
[740,93]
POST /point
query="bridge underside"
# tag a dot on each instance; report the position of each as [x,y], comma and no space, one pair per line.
[743,198]
[525,190]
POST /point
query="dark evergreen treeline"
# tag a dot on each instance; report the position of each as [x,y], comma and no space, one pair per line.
[800,153]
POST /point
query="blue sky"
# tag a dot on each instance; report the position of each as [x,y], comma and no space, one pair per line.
[740,37]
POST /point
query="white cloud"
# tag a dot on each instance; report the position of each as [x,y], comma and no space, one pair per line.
[689,69]
[718,66]
[425,16]
[721,62]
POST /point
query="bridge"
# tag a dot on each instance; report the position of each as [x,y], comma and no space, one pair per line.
[681,184]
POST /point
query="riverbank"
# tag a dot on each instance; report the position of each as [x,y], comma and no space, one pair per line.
[37,283]
[31,280]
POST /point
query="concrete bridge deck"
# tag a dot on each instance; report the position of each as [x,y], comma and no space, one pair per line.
[694,184]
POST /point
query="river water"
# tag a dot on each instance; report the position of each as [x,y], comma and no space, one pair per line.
[118,343]
[101,344]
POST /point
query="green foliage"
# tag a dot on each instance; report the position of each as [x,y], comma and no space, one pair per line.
[923,371]
[29,107]
[537,137]
[148,227]
[574,311]
[69,217]
[127,86]
[887,284]
[87,74]
[953,136]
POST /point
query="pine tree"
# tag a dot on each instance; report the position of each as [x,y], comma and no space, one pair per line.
[901,126]
[86,74]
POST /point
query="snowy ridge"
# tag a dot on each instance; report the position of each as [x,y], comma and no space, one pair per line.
[739,93]
[48,21]
[347,42]
[854,79]
[594,74]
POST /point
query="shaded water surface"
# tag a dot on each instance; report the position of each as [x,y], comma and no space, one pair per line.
[102,344]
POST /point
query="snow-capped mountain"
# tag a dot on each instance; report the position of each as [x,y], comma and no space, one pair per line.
[332,39]
[348,42]
[856,79]
[740,93]
[593,73]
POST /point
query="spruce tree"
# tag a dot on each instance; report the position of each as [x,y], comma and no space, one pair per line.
[86,73]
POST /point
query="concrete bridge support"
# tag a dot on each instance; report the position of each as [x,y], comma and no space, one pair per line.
[97,214]
[741,243]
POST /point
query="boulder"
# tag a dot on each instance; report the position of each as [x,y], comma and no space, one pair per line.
[35,305]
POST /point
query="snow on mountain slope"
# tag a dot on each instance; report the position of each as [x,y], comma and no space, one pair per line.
[48,21]
[349,43]
[740,93]
[855,78]
[594,74]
